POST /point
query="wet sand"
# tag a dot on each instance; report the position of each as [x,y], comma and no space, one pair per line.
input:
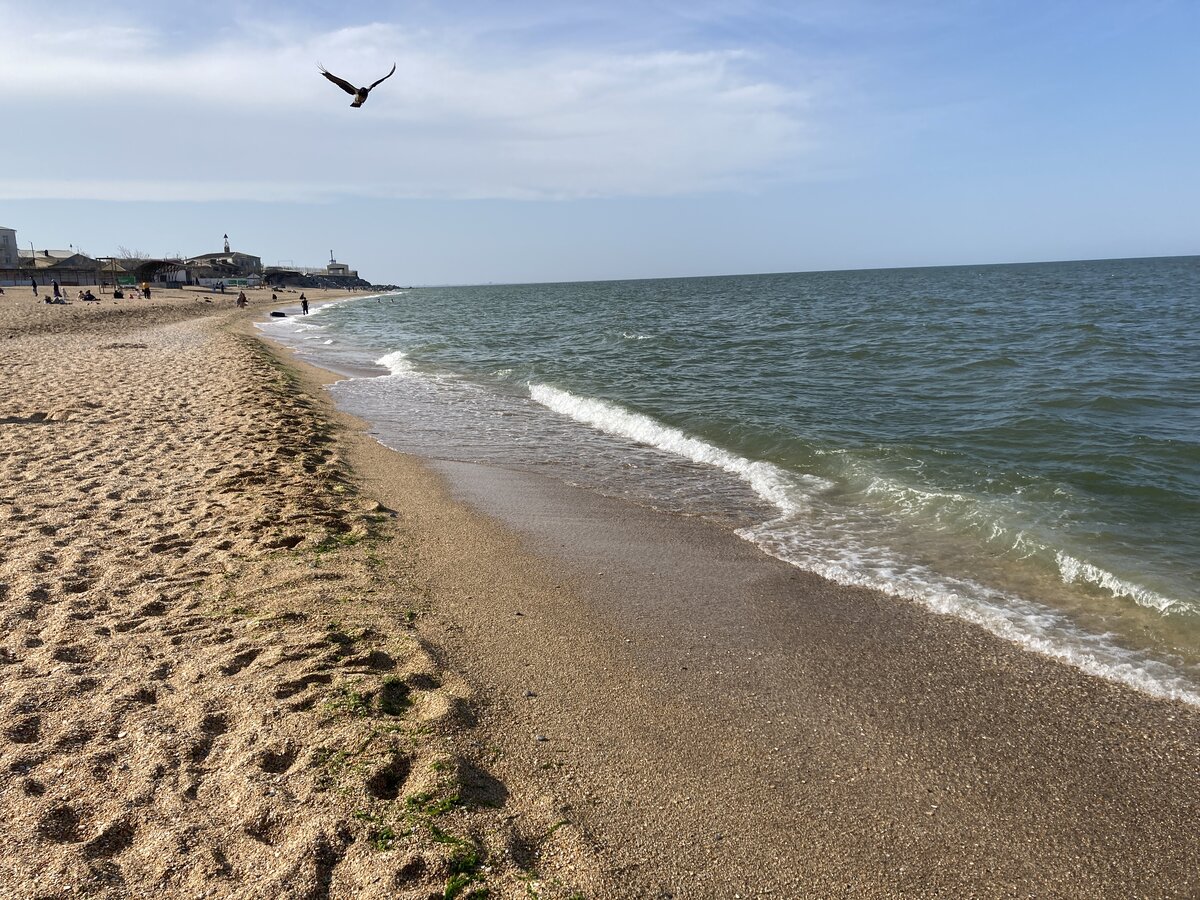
[726,722]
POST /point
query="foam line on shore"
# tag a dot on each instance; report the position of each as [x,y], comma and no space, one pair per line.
[992,521]
[848,561]
[771,483]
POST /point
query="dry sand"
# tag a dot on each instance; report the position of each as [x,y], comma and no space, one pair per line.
[212,677]
[227,669]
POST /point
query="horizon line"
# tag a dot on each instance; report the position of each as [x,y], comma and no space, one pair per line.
[1025,262]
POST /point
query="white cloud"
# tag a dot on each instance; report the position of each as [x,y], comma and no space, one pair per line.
[124,112]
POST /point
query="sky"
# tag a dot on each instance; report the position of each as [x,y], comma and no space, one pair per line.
[556,141]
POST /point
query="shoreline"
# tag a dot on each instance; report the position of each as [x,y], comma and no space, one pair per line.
[1040,625]
[975,764]
[251,651]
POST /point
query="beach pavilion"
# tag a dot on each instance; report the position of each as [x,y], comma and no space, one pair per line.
[63,266]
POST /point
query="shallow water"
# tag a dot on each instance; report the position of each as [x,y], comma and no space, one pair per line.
[1017,445]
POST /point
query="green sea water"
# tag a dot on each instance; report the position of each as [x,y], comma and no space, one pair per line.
[1016,445]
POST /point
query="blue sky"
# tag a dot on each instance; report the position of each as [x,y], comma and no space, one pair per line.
[526,141]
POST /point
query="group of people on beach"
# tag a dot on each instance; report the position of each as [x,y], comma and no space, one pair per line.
[59,295]
[137,293]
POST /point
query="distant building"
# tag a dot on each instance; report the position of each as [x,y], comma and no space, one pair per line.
[229,266]
[339,269]
[8,248]
[231,263]
[63,266]
[332,275]
[128,270]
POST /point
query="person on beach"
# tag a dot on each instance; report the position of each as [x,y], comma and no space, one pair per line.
[146,291]
[304,304]
[57,292]
[241,300]
[33,284]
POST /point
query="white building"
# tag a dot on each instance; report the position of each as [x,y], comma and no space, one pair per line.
[340,269]
[8,248]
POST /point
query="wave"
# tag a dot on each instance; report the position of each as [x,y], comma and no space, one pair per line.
[987,519]
[773,484]
[397,363]
[318,309]
[811,534]
[1073,570]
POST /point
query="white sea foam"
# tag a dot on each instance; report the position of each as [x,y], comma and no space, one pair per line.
[810,535]
[986,518]
[397,363]
[1029,625]
[786,491]
[341,301]
[1073,570]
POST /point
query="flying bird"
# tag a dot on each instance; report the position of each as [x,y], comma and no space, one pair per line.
[360,94]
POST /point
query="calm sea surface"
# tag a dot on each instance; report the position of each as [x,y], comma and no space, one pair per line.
[1016,445]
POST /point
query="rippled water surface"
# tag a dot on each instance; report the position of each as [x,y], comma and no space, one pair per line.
[1017,445]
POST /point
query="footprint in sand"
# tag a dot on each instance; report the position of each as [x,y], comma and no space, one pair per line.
[212,726]
[153,608]
[113,837]
[73,654]
[145,695]
[386,782]
[25,731]
[240,660]
[62,825]
[75,739]
[291,688]
[276,760]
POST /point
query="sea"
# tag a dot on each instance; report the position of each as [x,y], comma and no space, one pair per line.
[1014,445]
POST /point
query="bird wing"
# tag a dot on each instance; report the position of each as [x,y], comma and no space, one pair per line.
[385,77]
[340,82]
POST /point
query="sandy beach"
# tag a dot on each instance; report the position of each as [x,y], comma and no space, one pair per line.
[213,681]
[249,652]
